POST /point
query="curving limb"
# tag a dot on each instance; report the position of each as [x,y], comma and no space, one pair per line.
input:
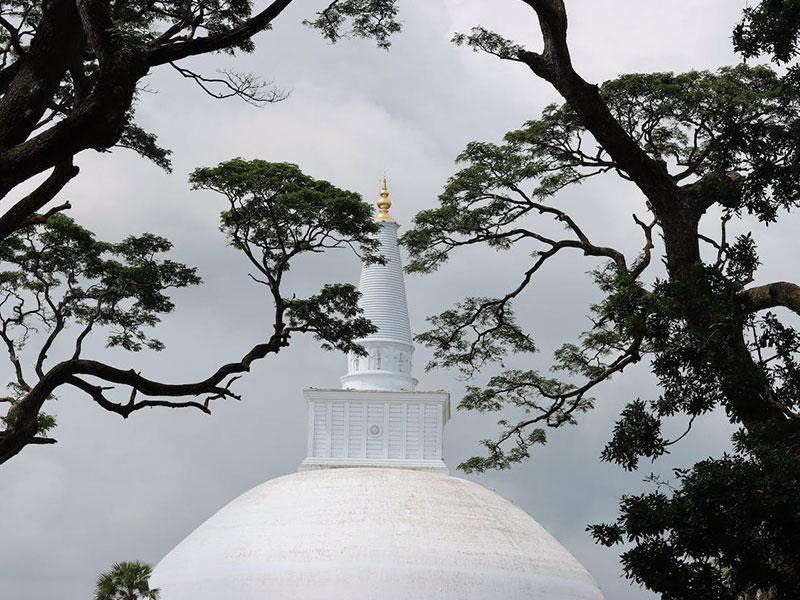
[771,295]
[171,52]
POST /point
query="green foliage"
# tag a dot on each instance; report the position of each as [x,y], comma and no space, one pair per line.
[145,144]
[777,347]
[127,580]
[500,458]
[78,91]
[139,27]
[726,139]
[706,126]
[702,126]
[742,259]
[772,27]
[498,335]
[636,434]
[531,392]
[727,528]
[60,274]
[483,40]
[278,213]
[140,22]
[376,19]
[333,316]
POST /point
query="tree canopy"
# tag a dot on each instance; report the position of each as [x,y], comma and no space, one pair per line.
[70,75]
[71,70]
[127,580]
[697,145]
[60,280]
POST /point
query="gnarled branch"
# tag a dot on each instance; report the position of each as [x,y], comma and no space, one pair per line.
[176,51]
[780,293]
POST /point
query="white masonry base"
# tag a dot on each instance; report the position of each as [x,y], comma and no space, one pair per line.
[376,428]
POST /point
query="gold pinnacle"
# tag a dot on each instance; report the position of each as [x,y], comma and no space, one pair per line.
[384,204]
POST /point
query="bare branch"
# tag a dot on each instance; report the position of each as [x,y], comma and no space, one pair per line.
[246,86]
[13,357]
[639,268]
[37,441]
[97,394]
[41,219]
[98,27]
[684,434]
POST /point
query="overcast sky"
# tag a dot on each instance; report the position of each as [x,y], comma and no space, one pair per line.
[114,490]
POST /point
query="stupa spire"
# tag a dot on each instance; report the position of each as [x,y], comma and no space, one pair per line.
[379,419]
[387,365]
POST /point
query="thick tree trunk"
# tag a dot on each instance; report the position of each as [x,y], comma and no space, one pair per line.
[58,42]
[679,211]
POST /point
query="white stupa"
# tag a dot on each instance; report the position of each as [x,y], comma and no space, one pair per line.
[373,513]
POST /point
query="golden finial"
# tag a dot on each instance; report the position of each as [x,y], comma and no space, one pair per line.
[384,203]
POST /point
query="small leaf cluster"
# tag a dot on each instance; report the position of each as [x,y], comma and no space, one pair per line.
[777,347]
[771,27]
[636,434]
[144,143]
[127,580]
[498,457]
[369,19]
[44,421]
[485,40]
[333,316]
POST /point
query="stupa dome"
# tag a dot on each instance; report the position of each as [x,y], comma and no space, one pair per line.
[371,533]
[373,514]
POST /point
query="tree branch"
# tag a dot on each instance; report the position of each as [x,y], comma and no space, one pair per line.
[555,66]
[176,51]
[780,293]
[24,428]
[12,356]
[30,91]
[13,34]
[246,86]
[98,27]
[19,215]
[97,394]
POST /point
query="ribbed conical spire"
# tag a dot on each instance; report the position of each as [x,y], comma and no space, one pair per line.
[388,363]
